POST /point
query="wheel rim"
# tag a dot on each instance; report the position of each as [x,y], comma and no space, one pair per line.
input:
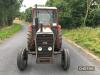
[24,58]
[63,62]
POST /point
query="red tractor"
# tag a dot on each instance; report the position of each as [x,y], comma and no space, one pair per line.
[44,39]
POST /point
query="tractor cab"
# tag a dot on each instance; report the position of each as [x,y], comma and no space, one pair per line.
[45,15]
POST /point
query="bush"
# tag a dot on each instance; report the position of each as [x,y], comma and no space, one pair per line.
[94,18]
[6,32]
[87,37]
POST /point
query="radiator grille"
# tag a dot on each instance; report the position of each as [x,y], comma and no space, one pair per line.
[44,41]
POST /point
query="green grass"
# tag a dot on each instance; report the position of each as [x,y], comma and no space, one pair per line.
[87,37]
[6,32]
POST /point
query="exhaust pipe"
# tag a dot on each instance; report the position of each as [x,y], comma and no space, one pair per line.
[41,29]
[36,19]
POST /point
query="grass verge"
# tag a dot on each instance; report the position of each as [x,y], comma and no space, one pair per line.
[7,31]
[86,37]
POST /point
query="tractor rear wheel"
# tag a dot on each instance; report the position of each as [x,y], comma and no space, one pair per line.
[22,58]
[31,43]
[65,59]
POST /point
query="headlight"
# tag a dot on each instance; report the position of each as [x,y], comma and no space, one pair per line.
[49,48]
[39,48]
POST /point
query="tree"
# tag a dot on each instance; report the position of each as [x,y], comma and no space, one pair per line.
[28,14]
[76,13]
[8,10]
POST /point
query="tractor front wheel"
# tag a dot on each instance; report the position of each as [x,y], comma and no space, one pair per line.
[22,58]
[65,59]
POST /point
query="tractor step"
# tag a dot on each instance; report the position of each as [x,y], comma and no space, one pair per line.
[44,60]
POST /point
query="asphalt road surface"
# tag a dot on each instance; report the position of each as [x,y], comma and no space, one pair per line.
[10,48]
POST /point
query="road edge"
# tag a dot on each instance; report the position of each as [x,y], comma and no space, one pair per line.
[83,49]
[2,41]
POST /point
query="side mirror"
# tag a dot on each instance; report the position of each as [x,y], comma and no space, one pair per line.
[54,24]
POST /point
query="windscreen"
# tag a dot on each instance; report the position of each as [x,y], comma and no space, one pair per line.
[45,17]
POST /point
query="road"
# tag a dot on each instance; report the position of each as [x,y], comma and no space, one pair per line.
[10,48]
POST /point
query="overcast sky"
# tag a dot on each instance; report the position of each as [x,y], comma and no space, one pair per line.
[31,3]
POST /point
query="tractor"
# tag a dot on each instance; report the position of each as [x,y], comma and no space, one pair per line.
[44,39]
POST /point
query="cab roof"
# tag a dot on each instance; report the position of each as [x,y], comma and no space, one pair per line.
[45,8]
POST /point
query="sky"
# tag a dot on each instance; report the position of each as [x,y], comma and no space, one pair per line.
[31,3]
